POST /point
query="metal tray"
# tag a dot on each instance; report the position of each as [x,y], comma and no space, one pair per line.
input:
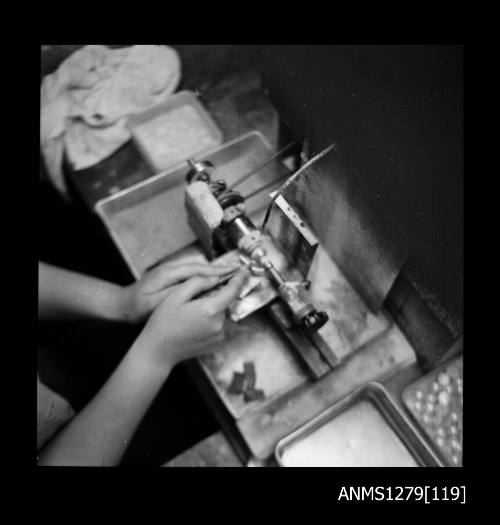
[443,432]
[378,396]
[148,221]
[183,98]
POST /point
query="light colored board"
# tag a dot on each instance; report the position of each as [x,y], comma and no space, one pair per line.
[255,339]
[377,361]
[351,324]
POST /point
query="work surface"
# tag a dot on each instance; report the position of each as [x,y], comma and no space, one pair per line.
[372,347]
[381,349]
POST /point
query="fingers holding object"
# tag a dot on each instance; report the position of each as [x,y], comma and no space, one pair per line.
[168,274]
[194,286]
[221,299]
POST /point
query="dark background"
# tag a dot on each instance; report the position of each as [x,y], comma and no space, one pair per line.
[396,113]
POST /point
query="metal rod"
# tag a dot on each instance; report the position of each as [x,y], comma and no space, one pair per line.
[263,164]
[262,188]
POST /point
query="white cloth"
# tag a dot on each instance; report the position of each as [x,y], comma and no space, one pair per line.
[86,102]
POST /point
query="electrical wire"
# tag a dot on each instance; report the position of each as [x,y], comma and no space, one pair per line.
[292,179]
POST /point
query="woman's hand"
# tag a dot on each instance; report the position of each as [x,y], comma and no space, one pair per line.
[138,300]
[185,326]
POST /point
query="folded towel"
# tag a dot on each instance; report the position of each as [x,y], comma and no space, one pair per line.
[85,104]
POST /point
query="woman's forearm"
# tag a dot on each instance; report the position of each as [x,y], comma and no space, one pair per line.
[63,294]
[101,432]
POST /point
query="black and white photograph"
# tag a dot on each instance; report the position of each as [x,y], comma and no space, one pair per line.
[252,256]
